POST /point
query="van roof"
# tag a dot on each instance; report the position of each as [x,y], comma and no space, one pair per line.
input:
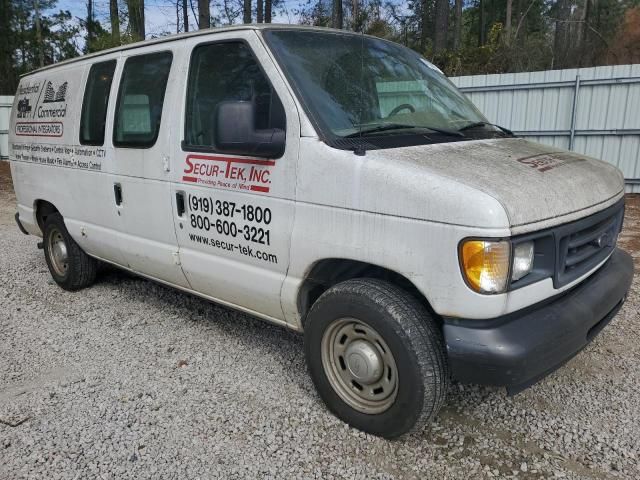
[180,36]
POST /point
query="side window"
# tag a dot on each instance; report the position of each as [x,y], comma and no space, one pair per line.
[140,99]
[221,72]
[95,102]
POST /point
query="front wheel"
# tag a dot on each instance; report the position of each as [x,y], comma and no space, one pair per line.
[70,267]
[377,357]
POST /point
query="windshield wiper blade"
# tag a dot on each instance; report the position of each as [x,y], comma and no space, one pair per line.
[445,131]
[400,126]
[483,124]
[379,128]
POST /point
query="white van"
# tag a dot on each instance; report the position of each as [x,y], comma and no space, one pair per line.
[333,183]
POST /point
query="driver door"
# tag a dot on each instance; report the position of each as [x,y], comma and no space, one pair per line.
[233,212]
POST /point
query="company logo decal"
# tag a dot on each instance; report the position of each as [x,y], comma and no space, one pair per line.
[249,174]
[24,108]
[52,96]
[544,162]
[28,89]
[39,129]
[57,155]
[48,113]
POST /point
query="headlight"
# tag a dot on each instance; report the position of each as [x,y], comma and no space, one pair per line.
[522,260]
[485,264]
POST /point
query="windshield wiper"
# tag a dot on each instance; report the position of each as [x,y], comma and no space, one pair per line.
[400,126]
[484,124]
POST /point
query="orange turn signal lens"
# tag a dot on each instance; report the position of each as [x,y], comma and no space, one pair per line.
[485,265]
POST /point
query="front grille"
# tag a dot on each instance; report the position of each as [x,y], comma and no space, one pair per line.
[583,244]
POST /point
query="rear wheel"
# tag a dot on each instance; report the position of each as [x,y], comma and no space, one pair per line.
[70,267]
[376,357]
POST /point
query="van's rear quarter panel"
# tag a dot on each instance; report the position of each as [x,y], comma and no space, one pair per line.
[42,135]
[49,164]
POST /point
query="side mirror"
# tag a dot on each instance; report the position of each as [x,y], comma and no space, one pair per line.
[235,132]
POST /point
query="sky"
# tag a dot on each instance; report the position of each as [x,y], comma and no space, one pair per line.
[160,15]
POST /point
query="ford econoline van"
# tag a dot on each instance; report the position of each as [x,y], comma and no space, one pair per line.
[333,183]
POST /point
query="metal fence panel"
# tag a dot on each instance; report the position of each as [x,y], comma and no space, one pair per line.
[595,111]
[5,113]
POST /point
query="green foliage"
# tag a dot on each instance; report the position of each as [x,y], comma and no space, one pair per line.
[58,34]
[496,55]
[544,33]
[316,13]
[102,39]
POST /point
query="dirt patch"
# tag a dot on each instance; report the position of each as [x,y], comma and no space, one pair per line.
[5,177]
[7,197]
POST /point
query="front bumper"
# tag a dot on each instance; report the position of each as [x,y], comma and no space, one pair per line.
[519,349]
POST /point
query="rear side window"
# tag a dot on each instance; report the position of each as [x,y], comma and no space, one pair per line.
[140,100]
[95,102]
[222,72]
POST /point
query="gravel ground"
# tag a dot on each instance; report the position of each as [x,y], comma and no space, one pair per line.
[129,379]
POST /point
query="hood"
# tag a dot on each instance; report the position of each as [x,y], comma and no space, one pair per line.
[538,186]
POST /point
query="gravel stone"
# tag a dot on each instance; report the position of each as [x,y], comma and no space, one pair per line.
[129,379]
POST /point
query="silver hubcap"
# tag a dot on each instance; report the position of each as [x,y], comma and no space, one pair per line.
[57,249]
[363,361]
[359,366]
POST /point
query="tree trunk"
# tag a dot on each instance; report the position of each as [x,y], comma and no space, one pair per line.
[268,6]
[185,15]
[481,33]
[336,17]
[561,40]
[424,21]
[89,25]
[355,11]
[136,18]
[115,21]
[247,11]
[457,34]
[583,29]
[22,42]
[507,22]
[259,11]
[38,34]
[442,23]
[519,15]
[204,15]
[178,16]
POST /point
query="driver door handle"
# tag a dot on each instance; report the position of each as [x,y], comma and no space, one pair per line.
[180,203]
[117,192]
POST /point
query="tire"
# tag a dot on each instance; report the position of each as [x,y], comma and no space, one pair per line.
[370,319]
[70,267]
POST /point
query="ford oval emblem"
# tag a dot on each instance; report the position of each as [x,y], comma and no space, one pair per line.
[604,240]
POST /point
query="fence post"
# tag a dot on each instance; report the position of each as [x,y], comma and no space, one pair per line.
[574,109]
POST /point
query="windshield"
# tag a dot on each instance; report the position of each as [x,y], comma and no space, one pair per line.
[353,86]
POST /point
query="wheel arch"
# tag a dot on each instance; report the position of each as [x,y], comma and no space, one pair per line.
[328,272]
[43,209]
